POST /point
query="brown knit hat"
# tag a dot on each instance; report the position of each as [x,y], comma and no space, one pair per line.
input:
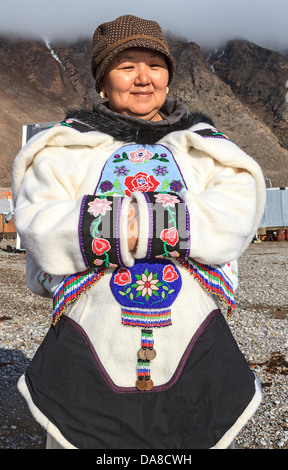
[125,32]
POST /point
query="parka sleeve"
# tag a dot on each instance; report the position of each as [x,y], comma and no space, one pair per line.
[53,217]
[211,227]
[212,223]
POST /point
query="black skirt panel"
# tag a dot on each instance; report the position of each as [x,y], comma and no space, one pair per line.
[69,386]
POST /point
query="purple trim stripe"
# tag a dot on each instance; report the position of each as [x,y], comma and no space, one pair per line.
[118,230]
[80,234]
[150,216]
[187,226]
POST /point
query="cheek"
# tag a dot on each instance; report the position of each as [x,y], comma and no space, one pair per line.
[162,81]
[116,83]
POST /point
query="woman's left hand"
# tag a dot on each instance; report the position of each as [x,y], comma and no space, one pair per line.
[132,226]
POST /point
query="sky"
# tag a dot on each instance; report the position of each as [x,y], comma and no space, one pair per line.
[208,23]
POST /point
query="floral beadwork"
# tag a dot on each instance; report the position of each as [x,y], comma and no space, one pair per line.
[99,206]
[121,170]
[170,235]
[146,292]
[133,168]
[100,246]
[147,285]
[100,222]
[106,186]
[160,170]
[123,277]
[169,273]
[140,156]
[169,225]
[167,200]
[140,182]
[176,186]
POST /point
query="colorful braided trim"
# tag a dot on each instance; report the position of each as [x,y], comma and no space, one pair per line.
[213,280]
[72,288]
[146,318]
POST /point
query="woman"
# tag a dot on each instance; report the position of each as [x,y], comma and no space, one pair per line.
[137,210]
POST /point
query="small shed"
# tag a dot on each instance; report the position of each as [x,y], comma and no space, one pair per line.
[275,217]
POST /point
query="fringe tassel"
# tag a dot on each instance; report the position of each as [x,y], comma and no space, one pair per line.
[71,289]
[213,280]
[145,355]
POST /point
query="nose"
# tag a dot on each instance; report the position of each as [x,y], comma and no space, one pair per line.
[142,77]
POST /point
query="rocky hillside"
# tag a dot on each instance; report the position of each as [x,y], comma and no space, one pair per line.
[242,87]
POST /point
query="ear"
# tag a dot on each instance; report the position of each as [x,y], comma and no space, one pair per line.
[102,89]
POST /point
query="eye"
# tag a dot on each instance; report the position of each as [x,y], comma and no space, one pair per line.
[126,66]
[157,65]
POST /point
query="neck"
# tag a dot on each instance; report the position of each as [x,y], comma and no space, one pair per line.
[150,117]
[157,117]
[171,112]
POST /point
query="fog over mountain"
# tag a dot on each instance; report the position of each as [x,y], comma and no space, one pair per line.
[226,68]
[207,23]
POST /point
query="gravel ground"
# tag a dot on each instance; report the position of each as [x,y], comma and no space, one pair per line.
[260,326]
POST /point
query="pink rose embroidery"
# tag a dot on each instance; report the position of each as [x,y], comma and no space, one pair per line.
[139,156]
[100,246]
[166,199]
[140,182]
[170,235]
[123,277]
[99,206]
[169,274]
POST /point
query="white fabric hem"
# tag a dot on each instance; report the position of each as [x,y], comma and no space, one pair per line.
[51,429]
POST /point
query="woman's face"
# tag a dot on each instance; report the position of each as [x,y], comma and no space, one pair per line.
[135,83]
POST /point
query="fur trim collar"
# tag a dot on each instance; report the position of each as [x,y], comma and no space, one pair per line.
[128,129]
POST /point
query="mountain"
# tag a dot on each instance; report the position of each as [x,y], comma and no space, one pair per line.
[242,87]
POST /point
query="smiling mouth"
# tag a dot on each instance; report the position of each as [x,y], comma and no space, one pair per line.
[142,93]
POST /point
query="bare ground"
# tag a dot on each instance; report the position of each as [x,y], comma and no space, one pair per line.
[25,319]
